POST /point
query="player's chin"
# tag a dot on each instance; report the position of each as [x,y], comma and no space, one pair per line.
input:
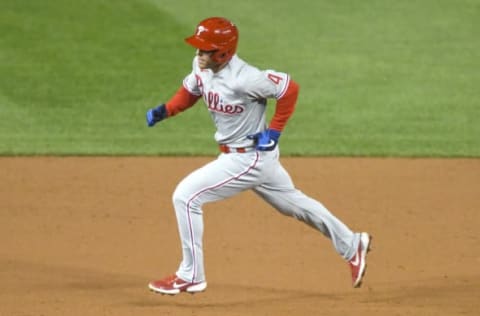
[203,66]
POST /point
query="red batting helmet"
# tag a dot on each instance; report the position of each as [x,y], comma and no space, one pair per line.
[216,34]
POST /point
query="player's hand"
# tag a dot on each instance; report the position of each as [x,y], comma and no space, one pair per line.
[266,140]
[156,115]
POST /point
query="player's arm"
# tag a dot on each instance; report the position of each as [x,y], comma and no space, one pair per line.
[285,107]
[286,96]
[181,101]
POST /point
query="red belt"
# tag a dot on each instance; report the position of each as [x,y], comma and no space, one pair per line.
[227,149]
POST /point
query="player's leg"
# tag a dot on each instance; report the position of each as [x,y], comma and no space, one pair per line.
[352,246]
[292,202]
[219,179]
[279,191]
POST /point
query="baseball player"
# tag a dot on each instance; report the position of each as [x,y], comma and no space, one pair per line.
[235,93]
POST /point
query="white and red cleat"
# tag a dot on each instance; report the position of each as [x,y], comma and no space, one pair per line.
[173,285]
[358,263]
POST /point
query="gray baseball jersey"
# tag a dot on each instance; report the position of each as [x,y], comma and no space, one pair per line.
[236,98]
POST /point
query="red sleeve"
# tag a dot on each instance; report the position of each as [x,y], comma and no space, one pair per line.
[181,101]
[285,107]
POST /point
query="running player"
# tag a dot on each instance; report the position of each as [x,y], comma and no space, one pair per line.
[235,94]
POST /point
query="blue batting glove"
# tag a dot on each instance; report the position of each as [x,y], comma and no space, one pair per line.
[156,115]
[266,140]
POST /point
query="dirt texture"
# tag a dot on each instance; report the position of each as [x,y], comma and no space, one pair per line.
[85,235]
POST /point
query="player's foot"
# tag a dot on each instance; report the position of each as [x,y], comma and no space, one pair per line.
[358,263]
[173,285]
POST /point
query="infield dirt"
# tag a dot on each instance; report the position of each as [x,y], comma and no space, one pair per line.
[85,235]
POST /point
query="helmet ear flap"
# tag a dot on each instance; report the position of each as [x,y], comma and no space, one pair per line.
[221,56]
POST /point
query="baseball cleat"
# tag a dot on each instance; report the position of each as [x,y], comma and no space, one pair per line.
[173,285]
[358,264]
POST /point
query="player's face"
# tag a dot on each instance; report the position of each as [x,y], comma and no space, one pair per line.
[205,60]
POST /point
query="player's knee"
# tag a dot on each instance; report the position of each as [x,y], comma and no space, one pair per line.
[182,196]
[184,199]
[179,198]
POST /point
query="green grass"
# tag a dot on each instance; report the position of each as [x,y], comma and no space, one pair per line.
[378,78]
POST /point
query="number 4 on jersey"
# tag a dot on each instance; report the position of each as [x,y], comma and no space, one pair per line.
[276,79]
